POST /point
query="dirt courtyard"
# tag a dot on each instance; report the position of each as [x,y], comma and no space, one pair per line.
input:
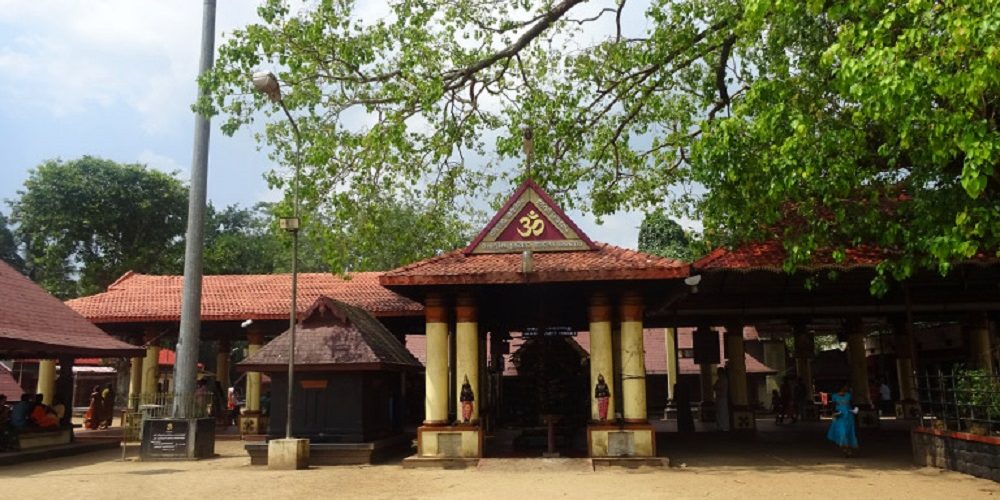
[762,470]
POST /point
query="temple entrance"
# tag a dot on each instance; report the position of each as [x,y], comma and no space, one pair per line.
[546,402]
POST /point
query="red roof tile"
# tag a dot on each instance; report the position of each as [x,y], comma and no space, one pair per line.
[36,324]
[8,385]
[607,262]
[144,298]
[771,256]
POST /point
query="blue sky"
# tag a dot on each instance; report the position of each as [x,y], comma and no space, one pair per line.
[115,79]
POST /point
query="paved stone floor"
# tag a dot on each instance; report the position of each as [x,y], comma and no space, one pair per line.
[778,462]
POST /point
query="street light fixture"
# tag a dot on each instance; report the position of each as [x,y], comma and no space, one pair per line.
[266,83]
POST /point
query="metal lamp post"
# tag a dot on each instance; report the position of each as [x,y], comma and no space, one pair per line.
[266,82]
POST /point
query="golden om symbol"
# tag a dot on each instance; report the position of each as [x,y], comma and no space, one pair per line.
[531,225]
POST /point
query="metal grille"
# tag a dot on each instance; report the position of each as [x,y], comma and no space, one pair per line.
[962,400]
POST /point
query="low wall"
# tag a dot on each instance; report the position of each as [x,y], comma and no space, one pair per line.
[958,451]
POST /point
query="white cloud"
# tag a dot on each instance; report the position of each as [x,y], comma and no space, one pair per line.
[163,163]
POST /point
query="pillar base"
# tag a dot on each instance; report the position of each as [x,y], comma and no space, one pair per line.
[253,423]
[908,410]
[744,419]
[456,441]
[867,418]
[288,454]
[706,411]
[621,441]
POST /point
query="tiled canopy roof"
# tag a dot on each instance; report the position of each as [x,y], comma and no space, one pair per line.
[9,385]
[35,324]
[335,336]
[771,256]
[606,262]
[144,298]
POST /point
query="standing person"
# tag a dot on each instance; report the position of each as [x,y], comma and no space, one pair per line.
[232,404]
[776,405]
[91,419]
[107,405]
[801,397]
[8,438]
[721,388]
[841,430]
[885,398]
[217,403]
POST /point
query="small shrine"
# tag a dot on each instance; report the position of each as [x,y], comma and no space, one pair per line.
[349,392]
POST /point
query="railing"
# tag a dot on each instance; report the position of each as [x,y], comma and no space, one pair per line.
[962,400]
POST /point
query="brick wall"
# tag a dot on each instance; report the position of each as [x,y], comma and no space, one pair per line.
[966,453]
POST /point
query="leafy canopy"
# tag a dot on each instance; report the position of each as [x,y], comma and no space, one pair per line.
[824,124]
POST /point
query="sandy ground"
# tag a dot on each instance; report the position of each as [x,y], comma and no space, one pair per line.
[768,470]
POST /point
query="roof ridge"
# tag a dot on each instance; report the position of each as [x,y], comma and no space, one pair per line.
[672,260]
[128,275]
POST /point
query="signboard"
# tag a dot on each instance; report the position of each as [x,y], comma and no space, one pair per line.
[549,331]
[166,438]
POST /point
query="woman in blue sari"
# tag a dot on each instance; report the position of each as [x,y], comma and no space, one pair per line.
[842,428]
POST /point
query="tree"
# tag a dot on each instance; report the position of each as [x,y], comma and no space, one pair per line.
[240,241]
[8,246]
[660,235]
[85,222]
[824,124]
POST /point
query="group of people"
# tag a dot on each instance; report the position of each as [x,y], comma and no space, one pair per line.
[101,410]
[28,413]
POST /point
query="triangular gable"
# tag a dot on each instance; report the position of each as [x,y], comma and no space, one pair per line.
[530,220]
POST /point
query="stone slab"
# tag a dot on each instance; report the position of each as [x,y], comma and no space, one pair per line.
[288,454]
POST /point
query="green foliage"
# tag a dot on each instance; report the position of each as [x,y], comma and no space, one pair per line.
[240,241]
[8,246]
[84,222]
[824,124]
[660,235]
[977,392]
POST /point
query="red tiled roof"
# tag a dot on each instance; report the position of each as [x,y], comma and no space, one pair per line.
[607,262]
[8,385]
[771,256]
[167,358]
[36,324]
[145,298]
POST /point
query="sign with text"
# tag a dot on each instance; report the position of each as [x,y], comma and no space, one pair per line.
[167,438]
[549,331]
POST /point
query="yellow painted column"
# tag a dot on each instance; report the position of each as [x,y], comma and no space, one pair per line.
[150,367]
[903,345]
[47,380]
[135,383]
[633,359]
[255,340]
[466,360]
[670,340]
[601,355]
[736,366]
[980,346]
[222,364]
[436,371]
[857,360]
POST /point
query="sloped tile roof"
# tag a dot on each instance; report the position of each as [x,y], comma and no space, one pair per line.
[334,335]
[771,256]
[8,385]
[607,262]
[36,324]
[144,298]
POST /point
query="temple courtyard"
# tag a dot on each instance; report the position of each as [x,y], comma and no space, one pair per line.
[779,462]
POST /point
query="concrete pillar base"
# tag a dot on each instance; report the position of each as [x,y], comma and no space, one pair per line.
[252,423]
[908,409]
[743,419]
[455,441]
[288,454]
[625,441]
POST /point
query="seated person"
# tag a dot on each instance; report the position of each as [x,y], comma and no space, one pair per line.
[21,412]
[42,416]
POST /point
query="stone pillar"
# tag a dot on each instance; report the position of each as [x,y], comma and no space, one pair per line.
[135,383]
[980,344]
[601,355]
[707,357]
[633,360]
[774,357]
[436,373]
[670,342]
[908,406]
[466,359]
[150,366]
[255,340]
[805,351]
[47,381]
[222,364]
[736,370]
[858,363]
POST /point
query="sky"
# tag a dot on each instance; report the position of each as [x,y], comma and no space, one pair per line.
[116,78]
